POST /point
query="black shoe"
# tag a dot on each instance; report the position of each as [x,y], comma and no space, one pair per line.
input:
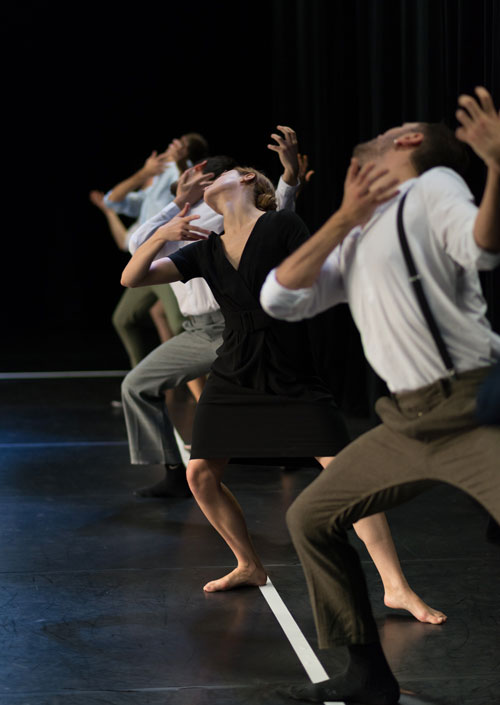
[174,484]
[330,690]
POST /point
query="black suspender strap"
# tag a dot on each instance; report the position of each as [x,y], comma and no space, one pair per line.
[415,279]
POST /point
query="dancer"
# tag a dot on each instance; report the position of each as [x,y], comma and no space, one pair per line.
[134,198]
[191,353]
[263,398]
[430,432]
[121,235]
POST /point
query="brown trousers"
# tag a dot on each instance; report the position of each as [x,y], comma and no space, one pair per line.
[429,435]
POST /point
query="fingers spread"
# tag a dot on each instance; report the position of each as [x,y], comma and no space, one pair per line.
[485,100]
[352,170]
[279,139]
[472,106]
[463,117]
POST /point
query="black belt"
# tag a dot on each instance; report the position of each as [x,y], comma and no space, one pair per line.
[250,321]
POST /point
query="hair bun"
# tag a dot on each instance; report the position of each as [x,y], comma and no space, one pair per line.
[266,202]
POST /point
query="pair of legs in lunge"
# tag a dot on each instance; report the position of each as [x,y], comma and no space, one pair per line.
[224,513]
[151,437]
[427,437]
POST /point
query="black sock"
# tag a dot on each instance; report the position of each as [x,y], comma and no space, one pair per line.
[368,679]
[174,484]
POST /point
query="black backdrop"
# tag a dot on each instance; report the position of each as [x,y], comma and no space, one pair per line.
[91,88]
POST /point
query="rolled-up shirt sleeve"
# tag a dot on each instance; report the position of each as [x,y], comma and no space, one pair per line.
[131,204]
[297,304]
[147,229]
[452,215]
[286,195]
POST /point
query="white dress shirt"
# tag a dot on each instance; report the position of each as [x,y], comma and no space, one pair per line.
[147,202]
[195,296]
[369,271]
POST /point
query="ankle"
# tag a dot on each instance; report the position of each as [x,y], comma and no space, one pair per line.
[368,659]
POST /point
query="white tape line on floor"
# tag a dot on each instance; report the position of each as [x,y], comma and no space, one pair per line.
[299,643]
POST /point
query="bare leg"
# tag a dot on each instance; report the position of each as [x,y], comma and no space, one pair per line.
[375,533]
[224,513]
[196,386]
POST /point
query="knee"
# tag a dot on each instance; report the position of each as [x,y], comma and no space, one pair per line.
[128,385]
[120,318]
[199,476]
[301,519]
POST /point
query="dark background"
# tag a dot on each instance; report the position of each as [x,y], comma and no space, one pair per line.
[91,88]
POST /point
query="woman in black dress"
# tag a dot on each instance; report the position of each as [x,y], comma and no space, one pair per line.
[263,397]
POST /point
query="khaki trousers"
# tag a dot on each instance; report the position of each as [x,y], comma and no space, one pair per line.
[429,435]
[133,323]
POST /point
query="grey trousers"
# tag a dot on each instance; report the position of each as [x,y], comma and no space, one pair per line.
[182,358]
[428,436]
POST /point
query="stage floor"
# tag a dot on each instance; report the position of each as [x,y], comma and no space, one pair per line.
[101,593]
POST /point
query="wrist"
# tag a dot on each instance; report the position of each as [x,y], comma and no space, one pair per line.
[143,175]
[180,201]
[290,177]
[344,219]
[494,167]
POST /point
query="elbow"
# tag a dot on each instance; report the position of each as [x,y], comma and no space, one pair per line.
[127,281]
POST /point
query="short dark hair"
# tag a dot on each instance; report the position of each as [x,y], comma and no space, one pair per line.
[197,146]
[440,147]
[219,164]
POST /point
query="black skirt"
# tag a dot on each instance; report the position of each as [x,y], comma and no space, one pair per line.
[233,421]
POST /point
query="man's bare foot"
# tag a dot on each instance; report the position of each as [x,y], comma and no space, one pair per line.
[239,577]
[410,601]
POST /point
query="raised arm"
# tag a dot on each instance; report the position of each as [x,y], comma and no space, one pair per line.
[287,151]
[155,164]
[144,270]
[190,189]
[481,130]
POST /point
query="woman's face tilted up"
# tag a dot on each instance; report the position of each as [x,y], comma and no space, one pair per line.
[227,182]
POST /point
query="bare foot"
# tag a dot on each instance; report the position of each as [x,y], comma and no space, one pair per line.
[239,577]
[410,601]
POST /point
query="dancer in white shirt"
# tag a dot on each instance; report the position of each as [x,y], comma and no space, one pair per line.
[430,432]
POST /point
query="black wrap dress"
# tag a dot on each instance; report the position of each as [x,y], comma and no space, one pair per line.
[263,398]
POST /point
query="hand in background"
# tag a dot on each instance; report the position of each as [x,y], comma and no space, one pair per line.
[155,164]
[97,198]
[480,126]
[287,149]
[192,184]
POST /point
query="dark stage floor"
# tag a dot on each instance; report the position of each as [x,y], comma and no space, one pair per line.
[102,597]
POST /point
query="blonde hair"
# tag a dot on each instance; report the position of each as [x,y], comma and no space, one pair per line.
[263,190]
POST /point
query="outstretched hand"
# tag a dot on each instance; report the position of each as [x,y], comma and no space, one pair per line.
[364,190]
[480,126]
[155,164]
[192,183]
[287,149]
[180,228]
[97,198]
